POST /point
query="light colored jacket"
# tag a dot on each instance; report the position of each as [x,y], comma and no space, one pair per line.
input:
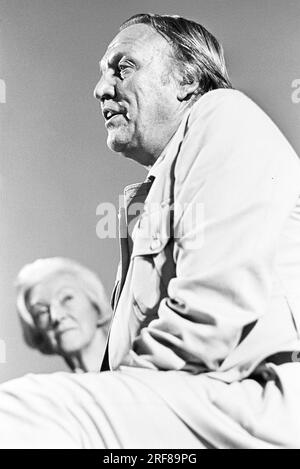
[209,279]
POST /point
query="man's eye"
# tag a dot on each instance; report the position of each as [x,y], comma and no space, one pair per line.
[123,69]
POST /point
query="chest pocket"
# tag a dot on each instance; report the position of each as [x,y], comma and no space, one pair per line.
[153,230]
[152,260]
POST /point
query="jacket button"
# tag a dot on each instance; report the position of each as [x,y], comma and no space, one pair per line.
[155,243]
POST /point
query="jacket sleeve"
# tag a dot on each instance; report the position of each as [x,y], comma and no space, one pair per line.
[235,185]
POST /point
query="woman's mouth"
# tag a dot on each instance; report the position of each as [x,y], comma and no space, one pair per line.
[60,331]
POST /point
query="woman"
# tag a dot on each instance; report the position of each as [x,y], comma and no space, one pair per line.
[64,310]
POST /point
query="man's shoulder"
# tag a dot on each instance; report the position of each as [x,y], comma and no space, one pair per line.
[233,116]
[224,101]
[226,115]
[226,125]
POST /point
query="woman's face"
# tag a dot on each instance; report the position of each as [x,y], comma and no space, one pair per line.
[63,313]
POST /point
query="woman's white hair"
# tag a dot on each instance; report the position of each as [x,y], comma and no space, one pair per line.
[38,271]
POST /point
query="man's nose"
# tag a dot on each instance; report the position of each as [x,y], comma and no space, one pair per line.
[105,88]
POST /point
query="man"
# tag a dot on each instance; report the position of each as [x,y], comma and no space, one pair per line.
[204,344]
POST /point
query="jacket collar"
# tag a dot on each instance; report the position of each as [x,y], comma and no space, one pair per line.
[171,149]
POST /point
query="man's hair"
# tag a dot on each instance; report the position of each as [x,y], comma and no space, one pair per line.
[197,53]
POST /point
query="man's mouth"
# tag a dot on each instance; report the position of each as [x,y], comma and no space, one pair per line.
[110,114]
[111,118]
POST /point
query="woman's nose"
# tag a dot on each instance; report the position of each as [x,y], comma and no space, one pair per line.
[105,88]
[56,314]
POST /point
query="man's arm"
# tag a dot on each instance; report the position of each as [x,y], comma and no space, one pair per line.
[239,171]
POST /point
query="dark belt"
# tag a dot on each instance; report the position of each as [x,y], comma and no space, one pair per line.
[284,357]
[264,373]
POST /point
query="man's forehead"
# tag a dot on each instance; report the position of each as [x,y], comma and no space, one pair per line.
[135,37]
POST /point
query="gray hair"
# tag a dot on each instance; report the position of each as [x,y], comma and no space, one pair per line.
[197,53]
[41,269]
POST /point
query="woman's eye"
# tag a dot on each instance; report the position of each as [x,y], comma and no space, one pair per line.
[40,311]
[67,298]
[40,316]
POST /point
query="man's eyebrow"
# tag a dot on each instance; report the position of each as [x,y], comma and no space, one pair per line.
[101,65]
[110,60]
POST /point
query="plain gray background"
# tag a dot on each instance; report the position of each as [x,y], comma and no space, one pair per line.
[55,168]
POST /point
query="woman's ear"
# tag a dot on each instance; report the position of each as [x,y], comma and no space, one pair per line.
[187,90]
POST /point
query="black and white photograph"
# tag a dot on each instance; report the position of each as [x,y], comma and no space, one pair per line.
[149,227]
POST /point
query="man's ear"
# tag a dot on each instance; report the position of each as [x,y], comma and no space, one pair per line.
[187,90]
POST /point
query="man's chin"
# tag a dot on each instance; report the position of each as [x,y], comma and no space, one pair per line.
[128,150]
[117,145]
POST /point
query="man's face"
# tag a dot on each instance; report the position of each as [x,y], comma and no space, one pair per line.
[138,93]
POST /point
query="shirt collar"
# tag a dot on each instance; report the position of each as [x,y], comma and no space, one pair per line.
[131,190]
[170,147]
